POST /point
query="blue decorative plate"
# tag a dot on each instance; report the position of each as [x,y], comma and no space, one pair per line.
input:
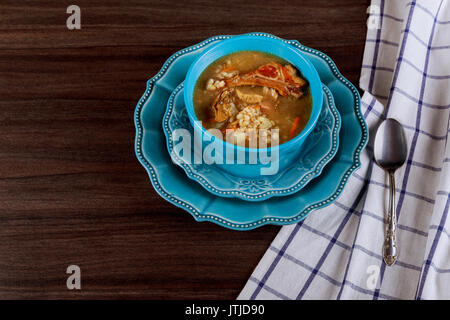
[319,148]
[172,184]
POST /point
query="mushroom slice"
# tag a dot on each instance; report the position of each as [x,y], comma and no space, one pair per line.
[223,106]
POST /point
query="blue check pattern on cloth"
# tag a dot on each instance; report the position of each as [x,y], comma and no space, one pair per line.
[335,253]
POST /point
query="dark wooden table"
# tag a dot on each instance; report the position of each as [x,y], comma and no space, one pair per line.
[71,188]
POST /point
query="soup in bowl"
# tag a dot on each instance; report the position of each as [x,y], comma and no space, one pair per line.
[253,95]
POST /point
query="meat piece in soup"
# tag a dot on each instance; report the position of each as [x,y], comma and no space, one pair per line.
[253,94]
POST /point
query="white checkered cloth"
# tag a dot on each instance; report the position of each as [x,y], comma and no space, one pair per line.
[336,252]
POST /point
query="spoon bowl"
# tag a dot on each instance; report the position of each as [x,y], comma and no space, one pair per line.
[390,145]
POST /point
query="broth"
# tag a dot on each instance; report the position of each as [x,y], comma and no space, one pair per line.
[253,91]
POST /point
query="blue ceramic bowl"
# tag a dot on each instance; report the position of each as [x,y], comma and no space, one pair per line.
[281,155]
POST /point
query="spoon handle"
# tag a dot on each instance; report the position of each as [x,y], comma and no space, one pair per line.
[390,251]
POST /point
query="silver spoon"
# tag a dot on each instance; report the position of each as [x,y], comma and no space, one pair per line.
[390,153]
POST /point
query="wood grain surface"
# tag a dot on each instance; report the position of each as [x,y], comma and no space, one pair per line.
[71,188]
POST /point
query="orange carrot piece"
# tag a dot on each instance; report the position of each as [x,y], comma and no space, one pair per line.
[224,130]
[228,68]
[294,126]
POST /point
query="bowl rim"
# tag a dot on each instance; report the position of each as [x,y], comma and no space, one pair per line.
[195,122]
